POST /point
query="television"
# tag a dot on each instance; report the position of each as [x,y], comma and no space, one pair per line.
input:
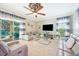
[48,27]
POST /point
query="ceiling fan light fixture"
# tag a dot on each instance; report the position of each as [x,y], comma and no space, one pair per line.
[34,14]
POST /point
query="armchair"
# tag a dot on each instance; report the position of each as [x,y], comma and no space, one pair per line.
[13,48]
[70,47]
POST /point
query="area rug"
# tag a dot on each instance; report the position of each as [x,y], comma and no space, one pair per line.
[45,42]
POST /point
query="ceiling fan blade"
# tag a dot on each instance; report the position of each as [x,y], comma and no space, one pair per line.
[40,7]
[29,13]
[28,8]
[41,14]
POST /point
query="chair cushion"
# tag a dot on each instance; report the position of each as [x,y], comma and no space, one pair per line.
[4,47]
[2,53]
[70,42]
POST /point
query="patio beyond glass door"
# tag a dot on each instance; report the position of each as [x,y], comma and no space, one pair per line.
[16,30]
[4,28]
[9,29]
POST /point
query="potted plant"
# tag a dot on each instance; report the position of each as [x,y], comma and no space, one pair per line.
[61,32]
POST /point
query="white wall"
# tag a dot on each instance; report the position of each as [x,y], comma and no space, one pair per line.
[30,26]
[49,21]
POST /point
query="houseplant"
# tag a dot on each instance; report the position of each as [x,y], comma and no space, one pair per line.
[61,32]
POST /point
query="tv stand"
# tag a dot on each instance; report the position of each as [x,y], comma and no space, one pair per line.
[47,35]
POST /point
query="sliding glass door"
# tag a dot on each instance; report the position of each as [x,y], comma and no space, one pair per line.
[9,29]
[16,30]
[4,28]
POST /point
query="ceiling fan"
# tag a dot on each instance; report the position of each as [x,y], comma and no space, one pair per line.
[34,8]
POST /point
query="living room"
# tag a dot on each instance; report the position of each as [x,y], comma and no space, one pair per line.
[39,29]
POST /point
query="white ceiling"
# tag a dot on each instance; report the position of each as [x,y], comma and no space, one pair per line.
[50,9]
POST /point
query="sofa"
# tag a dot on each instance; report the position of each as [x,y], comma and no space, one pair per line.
[13,48]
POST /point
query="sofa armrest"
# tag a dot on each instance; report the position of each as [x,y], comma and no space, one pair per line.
[66,52]
[20,51]
[12,42]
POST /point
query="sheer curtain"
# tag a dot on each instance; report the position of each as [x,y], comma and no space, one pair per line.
[76,22]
